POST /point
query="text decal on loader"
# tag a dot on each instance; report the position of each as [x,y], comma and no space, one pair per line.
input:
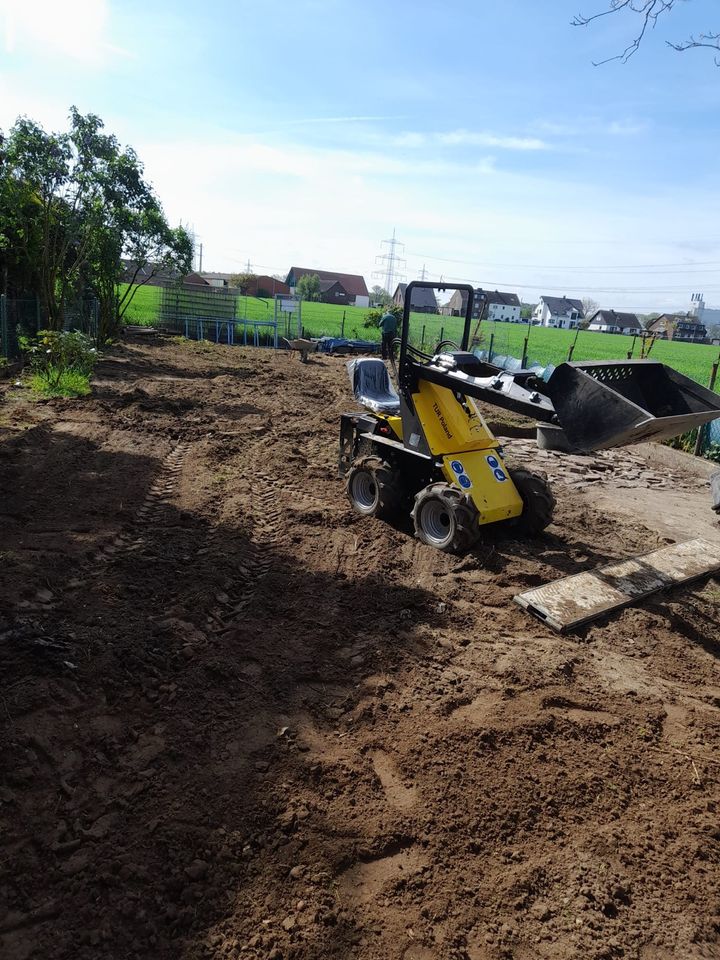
[443,421]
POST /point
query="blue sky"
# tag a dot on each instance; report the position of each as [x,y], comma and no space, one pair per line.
[305,132]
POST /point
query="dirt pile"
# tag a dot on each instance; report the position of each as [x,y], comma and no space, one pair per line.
[240,721]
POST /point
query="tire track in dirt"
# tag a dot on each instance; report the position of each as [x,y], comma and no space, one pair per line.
[254,558]
[149,515]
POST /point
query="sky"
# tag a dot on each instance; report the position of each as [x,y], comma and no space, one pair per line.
[304,133]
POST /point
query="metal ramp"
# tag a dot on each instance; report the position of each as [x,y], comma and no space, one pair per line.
[576,600]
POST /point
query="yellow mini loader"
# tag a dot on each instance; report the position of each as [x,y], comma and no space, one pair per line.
[426,449]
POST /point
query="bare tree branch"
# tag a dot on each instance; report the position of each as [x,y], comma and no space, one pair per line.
[648,11]
[709,40]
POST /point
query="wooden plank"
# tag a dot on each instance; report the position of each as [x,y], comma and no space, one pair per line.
[575,600]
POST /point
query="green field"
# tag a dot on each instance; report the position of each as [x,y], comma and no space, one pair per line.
[545,345]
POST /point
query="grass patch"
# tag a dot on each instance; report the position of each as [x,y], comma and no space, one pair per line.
[69,383]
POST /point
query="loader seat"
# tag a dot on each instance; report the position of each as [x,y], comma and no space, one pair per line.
[371,385]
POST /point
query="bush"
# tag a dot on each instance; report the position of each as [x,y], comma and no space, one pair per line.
[375,316]
[61,362]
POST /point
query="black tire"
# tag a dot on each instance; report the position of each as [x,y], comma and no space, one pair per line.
[445,518]
[373,488]
[539,503]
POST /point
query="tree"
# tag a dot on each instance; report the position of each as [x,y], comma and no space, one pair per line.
[647,13]
[308,287]
[590,307]
[381,296]
[85,206]
[142,236]
[20,230]
[242,281]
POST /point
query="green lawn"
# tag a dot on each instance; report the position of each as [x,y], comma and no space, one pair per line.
[545,345]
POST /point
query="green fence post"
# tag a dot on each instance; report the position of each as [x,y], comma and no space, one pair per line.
[4,345]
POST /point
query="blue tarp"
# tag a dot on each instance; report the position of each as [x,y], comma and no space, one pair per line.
[513,364]
[330,344]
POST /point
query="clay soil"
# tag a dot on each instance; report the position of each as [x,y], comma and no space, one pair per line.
[237,720]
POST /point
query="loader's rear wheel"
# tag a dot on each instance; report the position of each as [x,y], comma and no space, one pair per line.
[538,501]
[445,518]
[373,488]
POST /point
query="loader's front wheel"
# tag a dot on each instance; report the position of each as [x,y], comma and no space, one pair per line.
[537,498]
[373,488]
[445,518]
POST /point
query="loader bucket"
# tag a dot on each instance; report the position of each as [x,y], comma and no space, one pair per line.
[612,404]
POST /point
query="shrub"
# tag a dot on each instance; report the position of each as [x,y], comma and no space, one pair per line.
[61,362]
[375,316]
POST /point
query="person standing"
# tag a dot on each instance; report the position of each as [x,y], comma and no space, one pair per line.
[388,326]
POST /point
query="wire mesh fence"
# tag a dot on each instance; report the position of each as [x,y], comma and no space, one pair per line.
[22,317]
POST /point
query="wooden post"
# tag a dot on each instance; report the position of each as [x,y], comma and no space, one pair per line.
[523,359]
[632,347]
[701,428]
[342,326]
[492,337]
[422,338]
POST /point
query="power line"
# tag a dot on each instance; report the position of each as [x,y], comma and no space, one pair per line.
[391,265]
[591,267]
[493,284]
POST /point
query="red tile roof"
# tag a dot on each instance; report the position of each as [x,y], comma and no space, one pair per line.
[352,282]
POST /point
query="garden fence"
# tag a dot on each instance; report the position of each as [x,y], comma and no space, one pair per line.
[22,317]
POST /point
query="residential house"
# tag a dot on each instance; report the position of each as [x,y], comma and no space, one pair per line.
[215,279]
[152,274]
[487,305]
[423,299]
[678,326]
[500,306]
[332,291]
[611,321]
[194,280]
[266,287]
[353,284]
[562,312]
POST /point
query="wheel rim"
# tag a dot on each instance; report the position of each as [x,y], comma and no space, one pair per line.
[437,522]
[364,489]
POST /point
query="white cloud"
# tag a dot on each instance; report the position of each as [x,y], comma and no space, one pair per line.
[279,203]
[592,127]
[70,28]
[626,128]
[472,138]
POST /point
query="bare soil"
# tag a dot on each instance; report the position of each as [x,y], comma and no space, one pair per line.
[238,720]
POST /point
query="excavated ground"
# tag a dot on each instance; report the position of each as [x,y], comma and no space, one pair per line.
[238,720]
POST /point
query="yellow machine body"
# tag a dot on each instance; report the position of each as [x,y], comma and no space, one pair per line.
[457,433]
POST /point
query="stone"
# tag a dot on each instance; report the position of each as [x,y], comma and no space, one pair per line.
[541,911]
[197,870]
